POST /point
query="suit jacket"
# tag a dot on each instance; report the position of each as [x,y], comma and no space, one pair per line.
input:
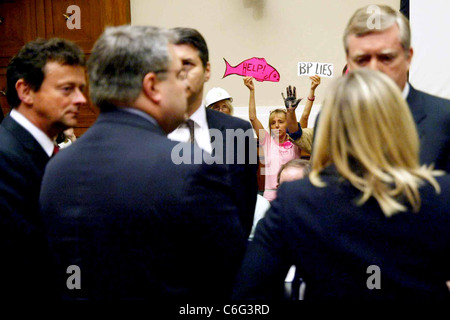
[333,242]
[23,244]
[432,117]
[137,225]
[243,172]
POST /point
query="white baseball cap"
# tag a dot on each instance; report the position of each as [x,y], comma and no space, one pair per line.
[216,94]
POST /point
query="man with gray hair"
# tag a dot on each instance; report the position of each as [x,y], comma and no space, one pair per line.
[133,225]
[380,39]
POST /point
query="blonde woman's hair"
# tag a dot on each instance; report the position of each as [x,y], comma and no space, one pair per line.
[367,132]
[361,23]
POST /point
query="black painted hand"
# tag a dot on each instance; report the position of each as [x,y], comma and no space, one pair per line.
[290,101]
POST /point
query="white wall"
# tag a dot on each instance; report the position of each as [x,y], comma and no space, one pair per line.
[430,24]
[282,31]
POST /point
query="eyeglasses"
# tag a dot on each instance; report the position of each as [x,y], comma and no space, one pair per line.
[179,74]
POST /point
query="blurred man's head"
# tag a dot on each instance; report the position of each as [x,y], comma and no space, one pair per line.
[135,66]
[191,48]
[380,40]
[293,170]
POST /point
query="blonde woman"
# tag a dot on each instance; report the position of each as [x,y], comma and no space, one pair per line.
[278,149]
[369,223]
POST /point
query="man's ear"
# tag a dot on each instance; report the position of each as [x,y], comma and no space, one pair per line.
[410,55]
[150,87]
[349,63]
[24,91]
[207,71]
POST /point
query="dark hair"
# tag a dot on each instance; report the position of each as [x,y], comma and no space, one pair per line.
[29,63]
[296,163]
[194,38]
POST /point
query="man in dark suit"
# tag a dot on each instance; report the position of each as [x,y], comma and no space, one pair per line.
[45,89]
[384,43]
[133,224]
[241,158]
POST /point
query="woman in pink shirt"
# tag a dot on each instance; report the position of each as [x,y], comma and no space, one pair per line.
[278,149]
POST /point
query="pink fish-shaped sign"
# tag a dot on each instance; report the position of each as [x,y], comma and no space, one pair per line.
[257,68]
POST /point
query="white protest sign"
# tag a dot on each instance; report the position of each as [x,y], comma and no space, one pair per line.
[315,68]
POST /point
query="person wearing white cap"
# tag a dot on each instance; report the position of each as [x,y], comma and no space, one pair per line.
[220,100]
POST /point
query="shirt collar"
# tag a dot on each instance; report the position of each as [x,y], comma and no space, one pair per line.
[405,91]
[45,142]
[141,114]
[199,117]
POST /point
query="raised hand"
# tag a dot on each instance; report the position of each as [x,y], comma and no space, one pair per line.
[315,81]
[290,101]
[248,81]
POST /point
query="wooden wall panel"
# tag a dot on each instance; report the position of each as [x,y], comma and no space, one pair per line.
[25,20]
[18,25]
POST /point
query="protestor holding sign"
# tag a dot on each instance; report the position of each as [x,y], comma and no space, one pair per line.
[278,149]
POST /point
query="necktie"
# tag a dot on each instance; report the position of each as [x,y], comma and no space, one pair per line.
[55,150]
[190,123]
